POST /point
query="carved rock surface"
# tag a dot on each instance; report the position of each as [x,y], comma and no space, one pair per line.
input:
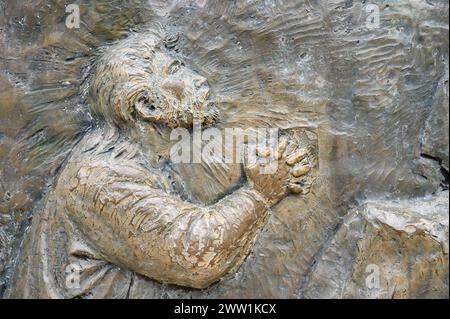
[404,243]
[377,99]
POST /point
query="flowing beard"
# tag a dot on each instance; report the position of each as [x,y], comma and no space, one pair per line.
[181,115]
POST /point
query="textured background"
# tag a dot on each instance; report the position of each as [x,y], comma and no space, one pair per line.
[378,100]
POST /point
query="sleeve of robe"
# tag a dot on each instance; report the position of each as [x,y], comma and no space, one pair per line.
[159,235]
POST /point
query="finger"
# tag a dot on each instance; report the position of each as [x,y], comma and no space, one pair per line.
[301,170]
[296,157]
[281,147]
[263,152]
[295,188]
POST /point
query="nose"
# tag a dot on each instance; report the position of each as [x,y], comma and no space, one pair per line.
[175,87]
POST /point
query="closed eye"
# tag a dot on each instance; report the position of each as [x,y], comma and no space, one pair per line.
[174,67]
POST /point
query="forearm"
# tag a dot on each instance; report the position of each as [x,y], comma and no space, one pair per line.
[161,236]
[243,212]
[204,243]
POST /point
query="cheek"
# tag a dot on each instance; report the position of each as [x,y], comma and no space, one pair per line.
[167,106]
[159,99]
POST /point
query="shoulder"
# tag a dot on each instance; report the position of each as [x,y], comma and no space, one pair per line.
[86,172]
[109,170]
[99,161]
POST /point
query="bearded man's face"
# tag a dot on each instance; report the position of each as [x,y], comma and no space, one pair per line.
[139,80]
[178,96]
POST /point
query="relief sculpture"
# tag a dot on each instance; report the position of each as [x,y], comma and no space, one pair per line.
[119,206]
[211,149]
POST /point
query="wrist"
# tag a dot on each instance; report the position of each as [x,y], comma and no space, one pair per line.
[258,197]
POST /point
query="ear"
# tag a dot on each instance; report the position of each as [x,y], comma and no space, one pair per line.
[148,109]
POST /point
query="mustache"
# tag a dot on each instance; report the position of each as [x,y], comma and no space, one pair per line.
[205,113]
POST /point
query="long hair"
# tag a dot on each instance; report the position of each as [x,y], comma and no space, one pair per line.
[117,76]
